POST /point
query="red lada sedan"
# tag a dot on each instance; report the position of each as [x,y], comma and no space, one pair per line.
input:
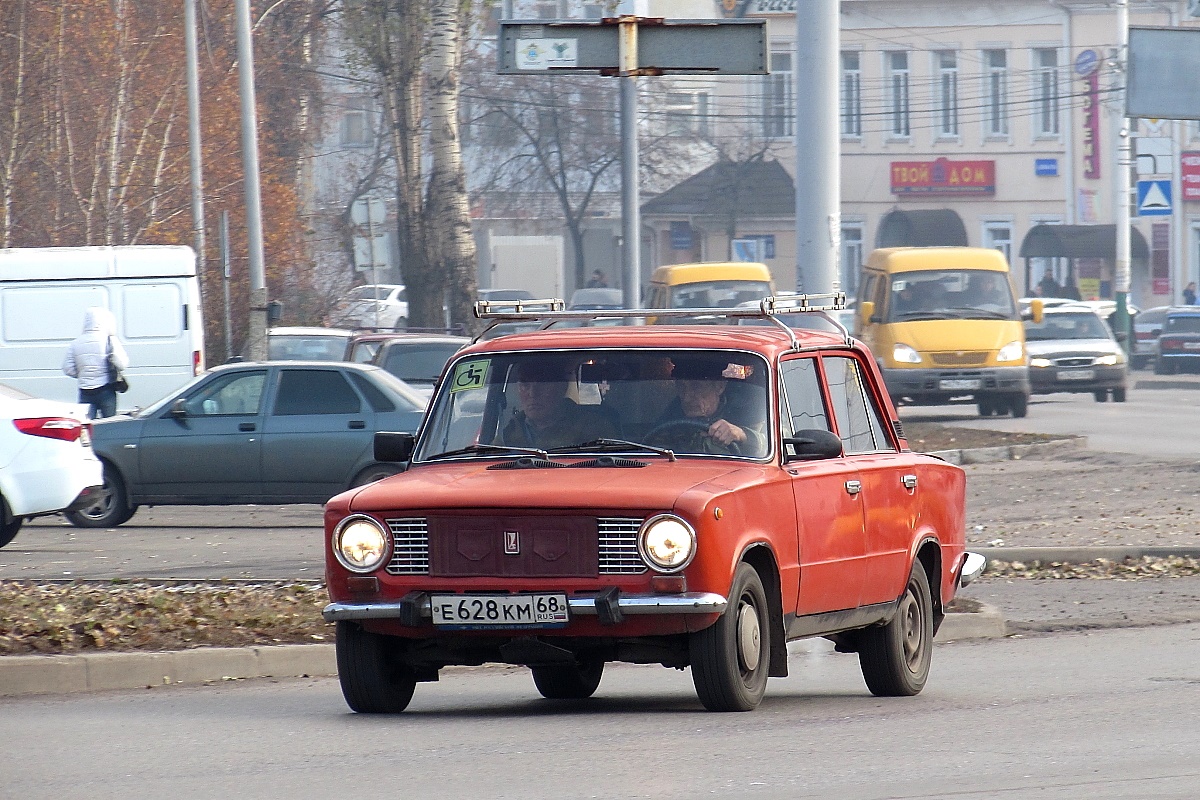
[691,496]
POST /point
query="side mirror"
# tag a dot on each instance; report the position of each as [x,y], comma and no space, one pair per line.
[866,310]
[812,445]
[392,446]
[179,408]
[1036,310]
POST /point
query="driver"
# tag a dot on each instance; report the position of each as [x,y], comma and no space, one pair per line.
[547,417]
[702,419]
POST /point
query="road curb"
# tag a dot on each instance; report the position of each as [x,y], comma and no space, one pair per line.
[986,623]
[1011,452]
[1082,555]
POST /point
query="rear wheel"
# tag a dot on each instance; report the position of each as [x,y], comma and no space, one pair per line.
[895,657]
[375,472]
[111,507]
[1101,395]
[571,682]
[730,658]
[1163,367]
[372,682]
[1018,404]
[8,530]
[1118,394]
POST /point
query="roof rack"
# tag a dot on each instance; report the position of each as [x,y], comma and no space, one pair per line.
[553,310]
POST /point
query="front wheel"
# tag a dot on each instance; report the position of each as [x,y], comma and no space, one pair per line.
[986,407]
[730,658]
[372,682]
[1018,404]
[895,657]
[111,507]
[8,530]
[1118,395]
[1101,395]
[376,472]
[577,681]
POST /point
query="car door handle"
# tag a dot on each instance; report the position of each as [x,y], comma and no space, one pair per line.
[909,481]
[853,487]
[247,426]
[357,424]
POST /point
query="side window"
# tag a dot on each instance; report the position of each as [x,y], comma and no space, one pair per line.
[240,393]
[804,409]
[378,400]
[859,422]
[315,391]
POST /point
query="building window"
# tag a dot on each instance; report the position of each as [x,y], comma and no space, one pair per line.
[998,236]
[777,114]
[851,95]
[1046,91]
[947,92]
[851,257]
[356,121]
[995,92]
[898,93]
[686,114]
[593,10]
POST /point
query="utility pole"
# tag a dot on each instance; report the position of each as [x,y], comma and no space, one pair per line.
[631,212]
[818,146]
[1121,204]
[256,338]
[194,149]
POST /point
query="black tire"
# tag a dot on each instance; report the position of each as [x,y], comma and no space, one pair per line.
[110,509]
[1101,395]
[1018,404]
[375,472]
[8,530]
[986,407]
[1137,362]
[895,657]
[731,657]
[371,682]
[1163,367]
[1118,395]
[574,682]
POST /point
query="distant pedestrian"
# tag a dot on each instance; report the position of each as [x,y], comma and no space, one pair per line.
[1189,294]
[597,281]
[87,360]
[1049,286]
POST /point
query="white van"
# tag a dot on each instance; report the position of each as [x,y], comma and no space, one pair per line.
[152,291]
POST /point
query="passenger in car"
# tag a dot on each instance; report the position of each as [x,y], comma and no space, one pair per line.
[547,417]
[706,418]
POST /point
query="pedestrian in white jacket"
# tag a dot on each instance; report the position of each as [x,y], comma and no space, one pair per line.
[87,360]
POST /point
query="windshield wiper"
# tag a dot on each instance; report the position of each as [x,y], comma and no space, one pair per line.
[981,312]
[923,315]
[614,444]
[476,449]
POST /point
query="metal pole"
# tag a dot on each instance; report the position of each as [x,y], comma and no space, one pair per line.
[194,150]
[227,272]
[1121,208]
[631,219]
[818,176]
[256,338]
[371,255]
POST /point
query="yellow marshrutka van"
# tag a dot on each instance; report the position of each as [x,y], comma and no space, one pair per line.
[945,327]
[711,284]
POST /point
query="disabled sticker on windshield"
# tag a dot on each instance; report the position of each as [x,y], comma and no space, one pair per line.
[470,375]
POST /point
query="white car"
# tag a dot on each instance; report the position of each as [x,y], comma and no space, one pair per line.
[46,459]
[379,306]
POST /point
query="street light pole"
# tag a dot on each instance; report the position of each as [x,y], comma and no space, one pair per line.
[256,339]
[1121,206]
[194,150]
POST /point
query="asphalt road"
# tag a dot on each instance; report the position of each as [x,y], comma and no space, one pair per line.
[1099,715]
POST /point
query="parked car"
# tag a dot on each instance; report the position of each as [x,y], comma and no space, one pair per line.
[1073,350]
[1178,345]
[307,343]
[376,306]
[418,359]
[272,432]
[46,459]
[681,495]
[1147,325]
[596,299]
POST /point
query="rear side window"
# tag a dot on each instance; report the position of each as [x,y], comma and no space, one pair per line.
[315,391]
[860,425]
[378,400]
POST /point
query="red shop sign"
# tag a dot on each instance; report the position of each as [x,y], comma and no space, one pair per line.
[943,176]
[1189,174]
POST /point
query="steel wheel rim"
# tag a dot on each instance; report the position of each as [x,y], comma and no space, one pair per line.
[749,636]
[913,629]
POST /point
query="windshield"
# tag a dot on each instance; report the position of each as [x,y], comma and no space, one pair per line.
[306,348]
[711,403]
[717,294]
[951,294]
[1182,325]
[1066,326]
[418,363]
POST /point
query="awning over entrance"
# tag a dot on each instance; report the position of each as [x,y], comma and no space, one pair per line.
[1080,241]
[939,227]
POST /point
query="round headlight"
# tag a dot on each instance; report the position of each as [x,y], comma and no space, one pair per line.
[667,543]
[360,544]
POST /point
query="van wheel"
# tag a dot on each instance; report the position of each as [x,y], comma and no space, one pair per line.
[895,657]
[1018,404]
[110,509]
[730,658]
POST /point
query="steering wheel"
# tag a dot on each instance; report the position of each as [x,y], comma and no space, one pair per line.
[688,430]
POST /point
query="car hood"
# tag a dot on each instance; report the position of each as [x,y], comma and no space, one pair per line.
[658,486]
[1051,347]
[933,336]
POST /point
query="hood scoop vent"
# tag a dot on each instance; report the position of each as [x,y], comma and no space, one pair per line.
[610,461]
[528,463]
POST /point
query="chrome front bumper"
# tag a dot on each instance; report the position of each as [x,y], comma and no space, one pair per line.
[972,568]
[632,604]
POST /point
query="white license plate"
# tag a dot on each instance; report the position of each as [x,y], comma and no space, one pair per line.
[1191,345]
[499,611]
[959,383]
[1077,375]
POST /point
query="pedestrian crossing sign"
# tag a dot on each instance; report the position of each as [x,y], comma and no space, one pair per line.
[1154,198]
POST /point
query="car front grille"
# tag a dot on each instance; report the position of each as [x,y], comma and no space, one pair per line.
[617,546]
[1075,361]
[957,359]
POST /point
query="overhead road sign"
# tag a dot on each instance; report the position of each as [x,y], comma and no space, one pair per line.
[1163,65]
[664,46]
